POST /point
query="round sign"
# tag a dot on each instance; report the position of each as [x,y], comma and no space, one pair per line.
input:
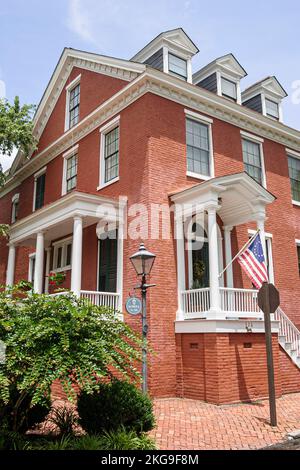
[133,305]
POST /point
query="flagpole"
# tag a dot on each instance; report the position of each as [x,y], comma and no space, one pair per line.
[236,256]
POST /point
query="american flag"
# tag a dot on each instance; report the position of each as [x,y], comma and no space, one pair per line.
[252,260]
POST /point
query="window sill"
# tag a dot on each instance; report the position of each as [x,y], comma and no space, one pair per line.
[296,203]
[198,176]
[61,270]
[103,185]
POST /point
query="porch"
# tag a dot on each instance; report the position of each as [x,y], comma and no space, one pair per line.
[56,233]
[205,216]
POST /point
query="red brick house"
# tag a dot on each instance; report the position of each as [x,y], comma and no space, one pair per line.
[145,149]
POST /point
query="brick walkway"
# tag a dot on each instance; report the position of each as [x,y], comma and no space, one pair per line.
[184,424]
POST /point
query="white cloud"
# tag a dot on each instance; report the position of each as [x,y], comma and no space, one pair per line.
[79,21]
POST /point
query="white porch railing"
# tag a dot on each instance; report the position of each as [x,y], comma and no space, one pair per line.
[289,335]
[103,299]
[196,301]
[240,302]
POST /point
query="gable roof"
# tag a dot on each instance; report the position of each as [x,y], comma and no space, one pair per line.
[269,84]
[118,68]
[176,37]
[227,63]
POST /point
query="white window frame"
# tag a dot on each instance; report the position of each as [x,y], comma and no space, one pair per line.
[293,154]
[69,154]
[68,90]
[36,176]
[232,79]
[208,122]
[15,199]
[110,126]
[260,142]
[269,243]
[297,243]
[265,97]
[61,244]
[30,267]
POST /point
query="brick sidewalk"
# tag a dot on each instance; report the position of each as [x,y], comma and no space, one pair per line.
[184,424]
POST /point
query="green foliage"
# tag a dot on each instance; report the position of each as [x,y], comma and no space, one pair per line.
[13,441]
[88,442]
[3,227]
[65,419]
[123,439]
[116,404]
[64,338]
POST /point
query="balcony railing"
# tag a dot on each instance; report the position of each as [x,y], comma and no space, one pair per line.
[102,299]
[234,303]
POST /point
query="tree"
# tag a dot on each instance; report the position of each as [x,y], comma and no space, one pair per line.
[16,128]
[65,338]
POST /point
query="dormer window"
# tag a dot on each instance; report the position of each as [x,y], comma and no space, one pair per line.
[272,109]
[177,66]
[229,89]
[72,103]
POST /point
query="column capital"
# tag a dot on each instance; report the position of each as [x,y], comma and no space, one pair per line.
[227,228]
[78,217]
[212,207]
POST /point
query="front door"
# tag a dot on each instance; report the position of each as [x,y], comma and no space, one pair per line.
[108,252]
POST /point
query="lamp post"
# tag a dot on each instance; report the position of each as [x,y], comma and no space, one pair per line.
[142,262]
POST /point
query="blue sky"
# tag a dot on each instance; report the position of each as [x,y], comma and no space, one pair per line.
[264,37]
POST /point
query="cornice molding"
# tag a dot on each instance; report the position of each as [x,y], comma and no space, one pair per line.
[171,88]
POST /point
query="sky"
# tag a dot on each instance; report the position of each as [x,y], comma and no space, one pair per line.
[264,37]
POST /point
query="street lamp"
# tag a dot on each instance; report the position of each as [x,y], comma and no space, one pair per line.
[142,262]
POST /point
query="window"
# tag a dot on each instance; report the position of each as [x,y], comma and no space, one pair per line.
[15,208]
[178,66]
[298,254]
[39,189]
[252,159]
[31,268]
[272,109]
[62,255]
[198,147]
[294,172]
[228,89]
[71,172]
[111,155]
[74,103]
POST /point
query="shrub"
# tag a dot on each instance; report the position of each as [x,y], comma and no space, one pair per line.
[126,440]
[88,442]
[64,418]
[19,415]
[118,403]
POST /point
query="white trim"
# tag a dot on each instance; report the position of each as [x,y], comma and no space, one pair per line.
[297,241]
[68,90]
[222,326]
[259,142]
[252,232]
[61,244]
[199,117]
[292,153]
[208,122]
[31,257]
[36,176]
[104,130]
[268,239]
[15,199]
[253,137]
[295,203]
[66,156]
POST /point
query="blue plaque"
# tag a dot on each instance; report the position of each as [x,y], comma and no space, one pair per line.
[133,305]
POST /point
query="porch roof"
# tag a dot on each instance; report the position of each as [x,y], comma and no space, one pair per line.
[56,219]
[238,198]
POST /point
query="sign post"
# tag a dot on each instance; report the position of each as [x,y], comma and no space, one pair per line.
[268,301]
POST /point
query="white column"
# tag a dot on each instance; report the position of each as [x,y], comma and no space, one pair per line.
[48,256]
[76,256]
[228,255]
[10,272]
[213,261]
[39,264]
[120,263]
[180,263]
[189,71]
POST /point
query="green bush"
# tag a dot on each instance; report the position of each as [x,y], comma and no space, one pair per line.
[65,419]
[19,415]
[126,440]
[116,404]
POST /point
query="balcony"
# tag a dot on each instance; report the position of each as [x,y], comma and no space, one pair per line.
[101,299]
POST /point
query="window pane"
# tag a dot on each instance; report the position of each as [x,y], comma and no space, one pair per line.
[74,106]
[294,172]
[177,66]
[111,155]
[298,253]
[228,88]
[252,159]
[272,109]
[71,176]
[40,191]
[59,258]
[197,139]
[69,255]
